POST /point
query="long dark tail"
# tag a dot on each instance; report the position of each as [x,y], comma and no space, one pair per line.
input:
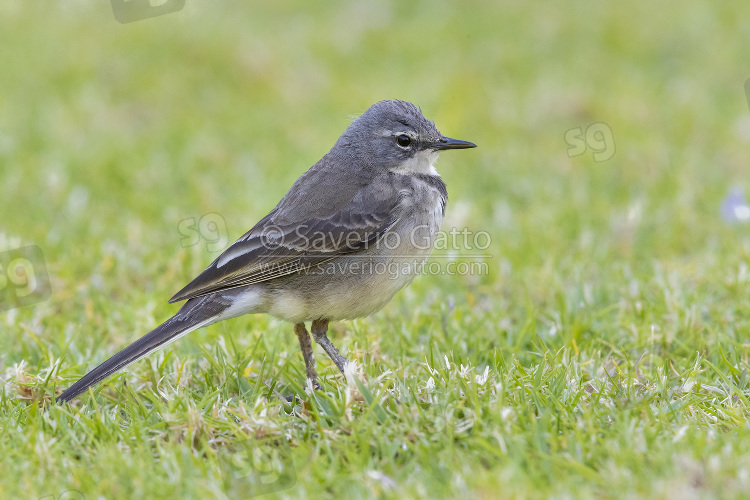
[194,314]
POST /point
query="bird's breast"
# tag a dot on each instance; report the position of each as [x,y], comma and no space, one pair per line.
[356,285]
[424,210]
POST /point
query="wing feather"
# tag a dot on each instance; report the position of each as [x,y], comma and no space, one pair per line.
[273,249]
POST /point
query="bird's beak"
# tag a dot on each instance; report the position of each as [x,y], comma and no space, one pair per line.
[448,143]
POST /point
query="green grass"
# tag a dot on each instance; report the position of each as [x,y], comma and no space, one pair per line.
[604,353]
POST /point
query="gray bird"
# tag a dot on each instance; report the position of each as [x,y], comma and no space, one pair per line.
[350,233]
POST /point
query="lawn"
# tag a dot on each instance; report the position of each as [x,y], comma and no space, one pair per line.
[594,346]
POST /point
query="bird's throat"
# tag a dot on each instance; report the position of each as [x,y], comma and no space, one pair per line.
[421,163]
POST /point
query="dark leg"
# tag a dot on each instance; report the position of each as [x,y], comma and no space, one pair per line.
[319,328]
[307,353]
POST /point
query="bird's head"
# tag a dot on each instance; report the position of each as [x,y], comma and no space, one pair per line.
[394,135]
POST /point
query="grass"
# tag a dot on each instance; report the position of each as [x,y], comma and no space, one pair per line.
[603,353]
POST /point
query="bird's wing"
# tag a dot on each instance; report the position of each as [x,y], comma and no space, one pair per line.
[279,245]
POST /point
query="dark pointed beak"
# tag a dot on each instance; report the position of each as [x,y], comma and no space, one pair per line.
[448,143]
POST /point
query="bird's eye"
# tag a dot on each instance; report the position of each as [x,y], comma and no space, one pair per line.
[403,140]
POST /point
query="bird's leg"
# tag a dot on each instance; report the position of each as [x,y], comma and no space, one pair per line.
[307,353]
[319,328]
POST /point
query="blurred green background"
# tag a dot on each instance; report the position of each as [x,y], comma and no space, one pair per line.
[112,135]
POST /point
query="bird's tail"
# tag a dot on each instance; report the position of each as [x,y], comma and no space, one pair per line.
[191,317]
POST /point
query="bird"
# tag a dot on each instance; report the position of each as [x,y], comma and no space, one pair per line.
[351,232]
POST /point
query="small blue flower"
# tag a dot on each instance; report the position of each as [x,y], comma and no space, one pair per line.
[734,207]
